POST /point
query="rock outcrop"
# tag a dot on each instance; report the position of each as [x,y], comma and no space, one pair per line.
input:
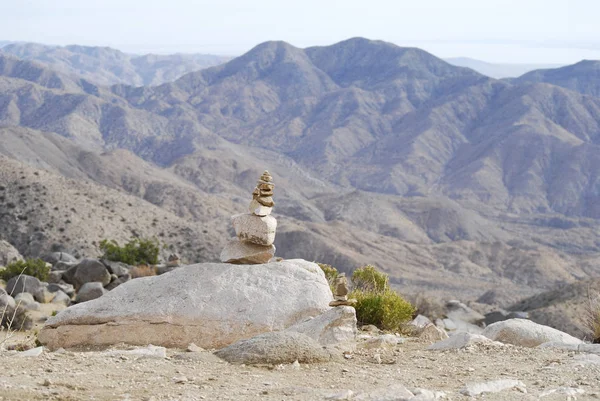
[209,304]
[255,230]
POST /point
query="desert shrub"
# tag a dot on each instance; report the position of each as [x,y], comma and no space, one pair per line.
[331,274]
[377,303]
[142,271]
[367,278]
[138,251]
[32,267]
[593,316]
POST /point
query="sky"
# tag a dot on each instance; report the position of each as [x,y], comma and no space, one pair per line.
[507,31]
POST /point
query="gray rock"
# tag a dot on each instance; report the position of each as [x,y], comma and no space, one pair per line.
[432,334]
[66,288]
[7,303]
[55,257]
[27,301]
[420,321]
[495,316]
[89,271]
[116,282]
[63,266]
[89,291]
[117,268]
[494,386]
[8,253]
[61,298]
[336,326]
[172,310]
[30,353]
[68,275]
[23,283]
[526,333]
[43,295]
[275,348]
[55,276]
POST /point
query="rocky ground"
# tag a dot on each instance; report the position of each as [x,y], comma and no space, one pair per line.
[108,375]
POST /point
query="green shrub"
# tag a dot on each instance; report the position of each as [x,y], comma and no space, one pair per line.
[367,278]
[138,251]
[377,303]
[32,267]
[331,274]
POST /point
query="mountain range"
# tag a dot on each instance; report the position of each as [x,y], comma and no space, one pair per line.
[498,70]
[107,66]
[448,180]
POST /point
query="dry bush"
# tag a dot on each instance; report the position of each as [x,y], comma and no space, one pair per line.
[593,316]
[142,271]
[12,319]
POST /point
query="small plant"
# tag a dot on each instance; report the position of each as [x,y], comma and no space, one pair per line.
[138,251]
[331,274]
[377,303]
[593,316]
[31,267]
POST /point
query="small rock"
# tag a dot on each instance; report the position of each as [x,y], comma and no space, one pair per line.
[34,352]
[237,252]
[420,321]
[61,298]
[343,395]
[194,348]
[43,295]
[432,334]
[89,291]
[383,341]
[461,340]
[568,391]
[495,386]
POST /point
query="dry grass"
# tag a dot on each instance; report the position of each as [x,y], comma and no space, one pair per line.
[142,271]
[11,320]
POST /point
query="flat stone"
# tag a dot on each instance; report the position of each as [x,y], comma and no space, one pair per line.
[149,351]
[255,229]
[383,341]
[275,348]
[240,253]
[259,210]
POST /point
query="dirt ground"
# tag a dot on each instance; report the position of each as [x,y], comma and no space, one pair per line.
[98,375]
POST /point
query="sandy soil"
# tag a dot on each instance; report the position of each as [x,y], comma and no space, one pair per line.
[96,375]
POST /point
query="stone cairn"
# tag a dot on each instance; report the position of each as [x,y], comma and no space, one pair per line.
[255,230]
[340,297]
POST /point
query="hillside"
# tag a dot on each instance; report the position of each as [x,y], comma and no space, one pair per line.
[448,180]
[583,77]
[106,66]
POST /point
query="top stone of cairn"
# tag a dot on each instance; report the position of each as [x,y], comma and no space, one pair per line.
[262,196]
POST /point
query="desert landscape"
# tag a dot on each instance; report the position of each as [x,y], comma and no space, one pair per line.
[284,216]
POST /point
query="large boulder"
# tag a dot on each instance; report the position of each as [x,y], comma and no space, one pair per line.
[526,333]
[8,253]
[23,283]
[209,304]
[275,348]
[90,271]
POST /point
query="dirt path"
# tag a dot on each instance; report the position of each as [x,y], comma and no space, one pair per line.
[202,376]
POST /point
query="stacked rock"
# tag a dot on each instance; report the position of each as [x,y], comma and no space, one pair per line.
[255,230]
[341,292]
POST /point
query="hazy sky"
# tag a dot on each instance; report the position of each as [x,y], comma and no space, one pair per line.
[522,31]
